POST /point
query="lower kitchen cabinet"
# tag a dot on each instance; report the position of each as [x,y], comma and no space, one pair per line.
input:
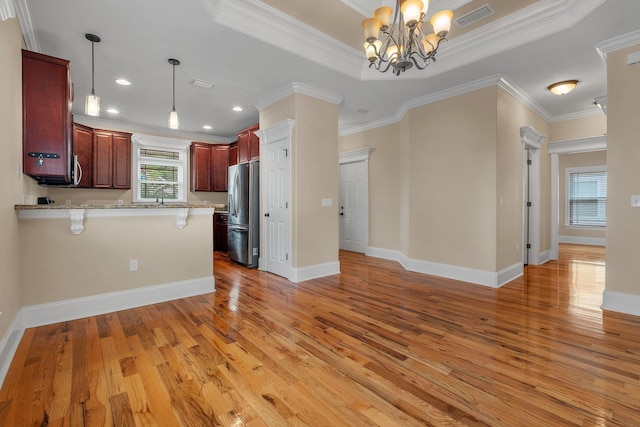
[220,221]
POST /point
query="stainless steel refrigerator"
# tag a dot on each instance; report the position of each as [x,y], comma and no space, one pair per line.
[243,233]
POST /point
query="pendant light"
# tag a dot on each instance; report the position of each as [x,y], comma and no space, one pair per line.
[92,102]
[174,123]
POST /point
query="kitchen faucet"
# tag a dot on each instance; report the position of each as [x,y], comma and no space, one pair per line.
[160,191]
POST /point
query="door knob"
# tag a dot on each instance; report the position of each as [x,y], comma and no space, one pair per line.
[341,213]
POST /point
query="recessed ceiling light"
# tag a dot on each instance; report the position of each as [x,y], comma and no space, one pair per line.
[237,108]
[113,111]
[563,88]
[123,82]
[207,127]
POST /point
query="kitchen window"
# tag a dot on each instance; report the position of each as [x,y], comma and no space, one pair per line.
[160,172]
[586,197]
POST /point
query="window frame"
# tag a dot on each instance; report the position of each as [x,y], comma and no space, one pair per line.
[567,196]
[164,144]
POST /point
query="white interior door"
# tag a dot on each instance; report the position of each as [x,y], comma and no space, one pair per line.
[277,218]
[353,207]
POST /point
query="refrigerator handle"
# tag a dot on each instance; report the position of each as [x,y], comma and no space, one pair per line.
[232,195]
[235,194]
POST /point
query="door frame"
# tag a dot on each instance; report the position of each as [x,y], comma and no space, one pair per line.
[275,133]
[355,156]
[583,145]
[531,143]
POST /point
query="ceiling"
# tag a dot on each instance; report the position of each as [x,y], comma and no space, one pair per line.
[253,51]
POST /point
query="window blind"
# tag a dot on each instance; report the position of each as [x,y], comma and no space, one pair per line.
[588,199]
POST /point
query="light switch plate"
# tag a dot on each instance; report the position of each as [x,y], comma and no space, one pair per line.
[635,201]
[327,202]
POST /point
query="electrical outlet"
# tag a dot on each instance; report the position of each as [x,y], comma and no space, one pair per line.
[133,265]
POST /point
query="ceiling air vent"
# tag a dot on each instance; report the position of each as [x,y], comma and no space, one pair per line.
[474,16]
[203,84]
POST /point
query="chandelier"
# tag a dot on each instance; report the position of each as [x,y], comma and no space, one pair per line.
[399,44]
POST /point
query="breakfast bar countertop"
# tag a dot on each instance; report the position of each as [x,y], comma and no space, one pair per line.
[215,206]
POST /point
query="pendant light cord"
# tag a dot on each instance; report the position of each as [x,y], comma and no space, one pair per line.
[93,91]
[174,87]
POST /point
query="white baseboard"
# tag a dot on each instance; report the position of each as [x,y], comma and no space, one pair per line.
[577,240]
[506,275]
[477,277]
[384,253]
[62,311]
[314,271]
[621,302]
[544,256]
[9,345]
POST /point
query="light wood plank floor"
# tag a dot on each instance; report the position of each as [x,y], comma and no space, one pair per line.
[375,345]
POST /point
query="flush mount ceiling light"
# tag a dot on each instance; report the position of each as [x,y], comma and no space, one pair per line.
[92,102]
[399,44]
[174,123]
[123,82]
[112,111]
[207,127]
[563,88]
[237,108]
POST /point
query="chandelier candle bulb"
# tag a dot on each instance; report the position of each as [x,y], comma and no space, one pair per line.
[430,42]
[371,28]
[441,22]
[384,15]
[411,11]
[372,49]
[425,7]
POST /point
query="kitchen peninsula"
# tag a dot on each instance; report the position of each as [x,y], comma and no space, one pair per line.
[84,259]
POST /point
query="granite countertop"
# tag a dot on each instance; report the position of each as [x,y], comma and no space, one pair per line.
[216,207]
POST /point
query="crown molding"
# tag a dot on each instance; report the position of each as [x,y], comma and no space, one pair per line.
[149,130]
[596,143]
[7,11]
[302,89]
[28,30]
[366,7]
[524,98]
[577,115]
[473,86]
[617,43]
[263,22]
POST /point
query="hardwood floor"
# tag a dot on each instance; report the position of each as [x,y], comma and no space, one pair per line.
[375,345]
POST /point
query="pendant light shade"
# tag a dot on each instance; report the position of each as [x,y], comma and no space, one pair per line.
[92,101]
[174,122]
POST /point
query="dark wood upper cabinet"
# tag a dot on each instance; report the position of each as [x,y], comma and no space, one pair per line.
[200,167]
[46,118]
[121,161]
[220,170]
[243,146]
[209,167]
[233,154]
[111,159]
[83,149]
[254,144]
[248,145]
